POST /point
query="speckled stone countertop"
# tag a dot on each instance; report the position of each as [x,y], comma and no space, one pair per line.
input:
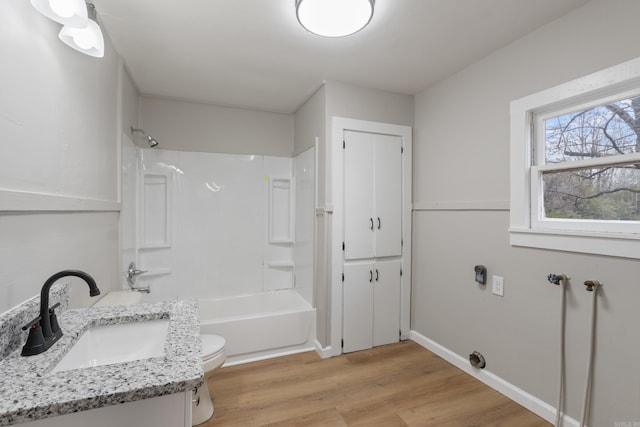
[29,391]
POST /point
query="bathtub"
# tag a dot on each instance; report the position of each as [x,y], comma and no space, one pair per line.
[260,326]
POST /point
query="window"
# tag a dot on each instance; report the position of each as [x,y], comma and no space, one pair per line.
[575,165]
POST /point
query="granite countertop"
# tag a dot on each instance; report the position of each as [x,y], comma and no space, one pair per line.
[30,391]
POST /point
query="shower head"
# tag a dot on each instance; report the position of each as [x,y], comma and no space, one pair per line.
[150,140]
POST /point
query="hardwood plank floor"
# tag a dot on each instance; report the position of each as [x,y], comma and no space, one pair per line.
[396,385]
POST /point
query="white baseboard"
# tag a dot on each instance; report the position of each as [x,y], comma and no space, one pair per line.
[514,393]
[323,352]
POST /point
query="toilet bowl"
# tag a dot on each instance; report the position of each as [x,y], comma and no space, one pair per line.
[213,356]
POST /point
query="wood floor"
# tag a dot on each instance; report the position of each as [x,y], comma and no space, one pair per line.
[396,385]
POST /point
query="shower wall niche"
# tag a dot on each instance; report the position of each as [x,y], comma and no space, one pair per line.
[218,225]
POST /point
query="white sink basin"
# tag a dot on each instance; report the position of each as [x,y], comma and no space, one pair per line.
[124,342]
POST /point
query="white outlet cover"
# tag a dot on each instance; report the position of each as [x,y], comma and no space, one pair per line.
[498,286]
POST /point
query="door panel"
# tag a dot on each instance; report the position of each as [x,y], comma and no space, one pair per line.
[386,302]
[388,195]
[358,195]
[357,314]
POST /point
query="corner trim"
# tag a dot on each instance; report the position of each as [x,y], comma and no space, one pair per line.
[323,352]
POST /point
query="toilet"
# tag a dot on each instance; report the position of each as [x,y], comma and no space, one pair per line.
[213,356]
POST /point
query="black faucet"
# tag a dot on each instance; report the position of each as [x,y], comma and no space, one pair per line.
[44,330]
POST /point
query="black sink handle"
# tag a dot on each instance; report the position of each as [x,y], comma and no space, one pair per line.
[32,324]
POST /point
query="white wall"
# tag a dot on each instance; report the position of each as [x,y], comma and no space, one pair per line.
[356,102]
[58,136]
[461,191]
[190,126]
[129,101]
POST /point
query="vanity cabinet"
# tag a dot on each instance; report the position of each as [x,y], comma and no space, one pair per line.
[165,411]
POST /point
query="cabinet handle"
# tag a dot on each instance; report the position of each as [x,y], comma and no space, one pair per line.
[377,274]
[379,223]
[371,219]
[370,276]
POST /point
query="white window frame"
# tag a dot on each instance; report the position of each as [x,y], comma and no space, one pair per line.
[528,228]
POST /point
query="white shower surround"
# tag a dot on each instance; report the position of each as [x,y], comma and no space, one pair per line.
[217,221]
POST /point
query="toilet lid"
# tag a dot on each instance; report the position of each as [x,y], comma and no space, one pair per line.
[211,344]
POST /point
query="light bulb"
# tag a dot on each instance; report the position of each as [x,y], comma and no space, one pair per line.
[63,8]
[88,40]
[67,12]
[84,38]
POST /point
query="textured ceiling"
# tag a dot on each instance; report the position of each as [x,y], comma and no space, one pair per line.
[253,53]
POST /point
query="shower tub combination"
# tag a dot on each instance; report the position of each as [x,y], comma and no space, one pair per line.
[260,326]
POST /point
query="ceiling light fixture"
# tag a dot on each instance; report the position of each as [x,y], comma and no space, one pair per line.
[66,12]
[88,39]
[334,18]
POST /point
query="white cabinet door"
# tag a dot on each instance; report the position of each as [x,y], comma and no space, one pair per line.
[372,195]
[386,302]
[371,296]
[358,195]
[388,195]
[357,316]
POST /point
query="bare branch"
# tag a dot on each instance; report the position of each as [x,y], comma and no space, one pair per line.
[630,121]
[602,193]
[581,154]
[609,137]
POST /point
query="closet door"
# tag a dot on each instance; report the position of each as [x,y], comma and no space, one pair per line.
[359,222]
[388,195]
[357,316]
[386,302]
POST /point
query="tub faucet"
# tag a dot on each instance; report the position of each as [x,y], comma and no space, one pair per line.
[44,330]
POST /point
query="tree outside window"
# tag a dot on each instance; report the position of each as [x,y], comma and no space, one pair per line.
[608,188]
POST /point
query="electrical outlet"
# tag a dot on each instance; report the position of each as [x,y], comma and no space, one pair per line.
[498,286]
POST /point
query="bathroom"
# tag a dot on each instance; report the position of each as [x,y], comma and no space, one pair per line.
[64,118]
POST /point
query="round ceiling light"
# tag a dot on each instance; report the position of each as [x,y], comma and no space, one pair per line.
[334,18]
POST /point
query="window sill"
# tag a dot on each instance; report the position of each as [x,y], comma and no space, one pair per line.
[608,244]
